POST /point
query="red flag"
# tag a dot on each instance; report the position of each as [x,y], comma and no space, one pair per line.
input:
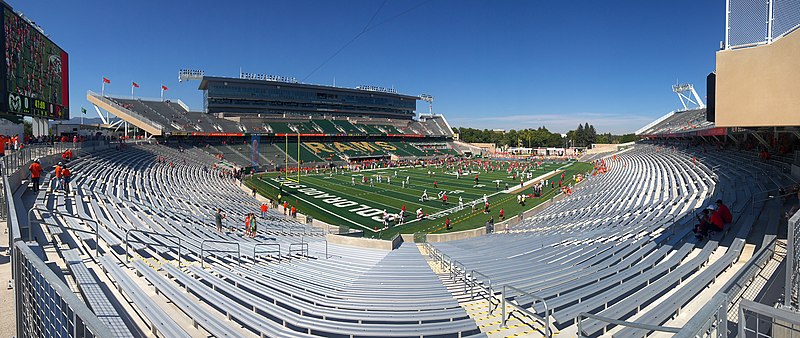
[106,80]
[135,84]
[163,87]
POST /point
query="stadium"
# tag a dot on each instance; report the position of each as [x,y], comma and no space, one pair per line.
[291,209]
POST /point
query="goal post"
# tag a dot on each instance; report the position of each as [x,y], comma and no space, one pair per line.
[297,159]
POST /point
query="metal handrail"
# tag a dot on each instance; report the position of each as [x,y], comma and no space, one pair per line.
[127,242]
[266,251]
[623,323]
[303,248]
[53,212]
[202,250]
[488,289]
[546,319]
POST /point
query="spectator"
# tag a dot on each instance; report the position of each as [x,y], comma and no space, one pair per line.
[253,226]
[264,209]
[36,173]
[723,210]
[447,224]
[57,172]
[66,175]
[502,214]
[218,217]
[247,224]
[716,219]
[703,224]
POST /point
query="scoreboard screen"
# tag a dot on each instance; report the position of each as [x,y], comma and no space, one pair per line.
[35,77]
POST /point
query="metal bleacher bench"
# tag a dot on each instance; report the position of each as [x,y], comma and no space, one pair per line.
[160,321]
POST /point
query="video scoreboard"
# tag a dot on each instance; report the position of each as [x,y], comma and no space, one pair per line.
[35,79]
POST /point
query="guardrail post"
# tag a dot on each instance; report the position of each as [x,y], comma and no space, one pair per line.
[30,221]
[503,303]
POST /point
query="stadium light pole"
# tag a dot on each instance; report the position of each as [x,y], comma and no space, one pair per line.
[428,98]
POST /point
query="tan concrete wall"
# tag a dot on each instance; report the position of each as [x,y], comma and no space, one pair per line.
[759,86]
[361,242]
[454,236]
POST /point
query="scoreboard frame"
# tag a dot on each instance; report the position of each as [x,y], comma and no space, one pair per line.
[19,103]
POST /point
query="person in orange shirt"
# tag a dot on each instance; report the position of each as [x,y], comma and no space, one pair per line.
[264,209]
[65,177]
[58,176]
[294,212]
[36,174]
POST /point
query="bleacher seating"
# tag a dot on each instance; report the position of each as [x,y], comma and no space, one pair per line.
[681,121]
[328,290]
[612,248]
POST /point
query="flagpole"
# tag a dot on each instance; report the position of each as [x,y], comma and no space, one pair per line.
[103,89]
[132,87]
[162,92]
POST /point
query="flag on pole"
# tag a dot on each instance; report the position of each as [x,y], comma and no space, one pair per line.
[163,88]
[135,84]
[83,110]
[103,87]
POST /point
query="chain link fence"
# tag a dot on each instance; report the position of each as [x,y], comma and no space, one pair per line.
[757,22]
[792,288]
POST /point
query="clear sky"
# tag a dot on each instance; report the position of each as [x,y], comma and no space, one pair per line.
[489,64]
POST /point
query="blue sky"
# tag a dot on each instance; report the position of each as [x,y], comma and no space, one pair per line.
[489,64]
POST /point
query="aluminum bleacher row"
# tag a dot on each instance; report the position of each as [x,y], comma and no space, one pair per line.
[681,121]
[621,246]
[155,221]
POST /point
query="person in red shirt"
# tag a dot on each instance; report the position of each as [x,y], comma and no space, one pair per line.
[502,215]
[716,219]
[264,209]
[294,212]
[65,176]
[58,176]
[724,212]
[285,207]
[36,173]
[447,224]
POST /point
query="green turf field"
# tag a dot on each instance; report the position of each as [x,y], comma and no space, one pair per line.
[333,198]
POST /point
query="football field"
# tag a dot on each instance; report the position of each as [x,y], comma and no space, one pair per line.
[345,198]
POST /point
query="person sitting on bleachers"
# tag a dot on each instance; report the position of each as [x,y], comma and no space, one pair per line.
[717,224]
[704,223]
[724,212]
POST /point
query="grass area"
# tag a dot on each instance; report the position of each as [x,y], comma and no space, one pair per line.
[333,198]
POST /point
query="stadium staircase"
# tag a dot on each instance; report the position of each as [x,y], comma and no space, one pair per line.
[483,308]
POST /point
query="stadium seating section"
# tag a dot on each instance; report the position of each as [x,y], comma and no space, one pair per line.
[681,121]
[174,117]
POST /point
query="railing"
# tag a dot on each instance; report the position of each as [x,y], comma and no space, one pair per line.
[514,303]
[96,229]
[147,232]
[45,306]
[751,23]
[762,321]
[733,288]
[792,287]
[488,291]
[202,250]
[710,321]
[613,321]
[303,248]
[268,251]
